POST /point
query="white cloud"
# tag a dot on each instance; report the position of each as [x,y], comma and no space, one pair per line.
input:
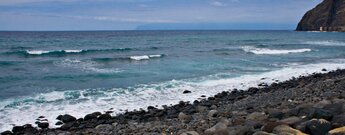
[218,4]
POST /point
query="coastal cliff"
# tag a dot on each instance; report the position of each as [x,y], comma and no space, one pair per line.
[327,16]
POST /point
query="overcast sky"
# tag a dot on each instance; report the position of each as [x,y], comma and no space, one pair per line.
[131,14]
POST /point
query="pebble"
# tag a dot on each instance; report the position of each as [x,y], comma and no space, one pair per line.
[318,126]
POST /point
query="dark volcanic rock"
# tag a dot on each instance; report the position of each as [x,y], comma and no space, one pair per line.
[318,126]
[186,92]
[43,125]
[66,118]
[327,16]
[7,133]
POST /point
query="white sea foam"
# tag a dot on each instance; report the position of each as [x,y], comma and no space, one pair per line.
[73,51]
[145,57]
[325,43]
[87,66]
[79,103]
[36,52]
[266,51]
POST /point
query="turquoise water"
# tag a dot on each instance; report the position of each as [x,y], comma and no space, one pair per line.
[49,73]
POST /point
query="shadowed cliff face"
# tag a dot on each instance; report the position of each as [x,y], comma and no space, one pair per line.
[327,16]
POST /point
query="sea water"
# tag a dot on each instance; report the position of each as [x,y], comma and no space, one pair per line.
[52,73]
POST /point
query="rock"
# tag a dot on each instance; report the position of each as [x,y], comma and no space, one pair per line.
[302,126]
[212,113]
[190,133]
[240,130]
[201,108]
[337,131]
[184,118]
[90,116]
[262,133]
[66,118]
[58,123]
[318,126]
[327,16]
[286,130]
[336,108]
[322,114]
[104,116]
[324,69]
[291,120]
[269,126]
[41,117]
[338,121]
[67,126]
[43,125]
[17,129]
[104,129]
[257,116]
[276,114]
[322,103]
[218,129]
[6,133]
[186,92]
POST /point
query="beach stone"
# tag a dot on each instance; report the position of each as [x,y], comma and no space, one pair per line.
[336,108]
[338,120]
[291,120]
[276,114]
[67,126]
[318,126]
[269,126]
[190,133]
[6,133]
[212,113]
[90,116]
[322,103]
[186,92]
[58,123]
[104,116]
[302,126]
[257,116]
[322,114]
[240,130]
[43,125]
[104,129]
[286,130]
[66,118]
[218,129]
[184,118]
[262,133]
[337,131]
[17,129]
[201,108]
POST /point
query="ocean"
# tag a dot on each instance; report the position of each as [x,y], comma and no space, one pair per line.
[52,73]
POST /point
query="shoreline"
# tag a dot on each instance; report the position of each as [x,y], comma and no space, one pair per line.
[238,110]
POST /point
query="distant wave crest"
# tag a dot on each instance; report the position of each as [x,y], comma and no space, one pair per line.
[266,51]
[65,52]
[326,43]
[145,57]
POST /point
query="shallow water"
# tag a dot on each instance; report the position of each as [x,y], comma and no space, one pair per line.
[51,73]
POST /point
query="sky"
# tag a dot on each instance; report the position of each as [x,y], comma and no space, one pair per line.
[43,15]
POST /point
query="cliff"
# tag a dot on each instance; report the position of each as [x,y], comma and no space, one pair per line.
[327,16]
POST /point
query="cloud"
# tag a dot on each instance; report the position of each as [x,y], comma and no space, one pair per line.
[218,4]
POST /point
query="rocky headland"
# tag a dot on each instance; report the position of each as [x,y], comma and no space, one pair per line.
[327,16]
[314,104]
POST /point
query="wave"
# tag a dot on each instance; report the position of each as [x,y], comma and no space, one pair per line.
[263,51]
[325,43]
[79,102]
[65,52]
[129,58]
[87,66]
[145,57]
